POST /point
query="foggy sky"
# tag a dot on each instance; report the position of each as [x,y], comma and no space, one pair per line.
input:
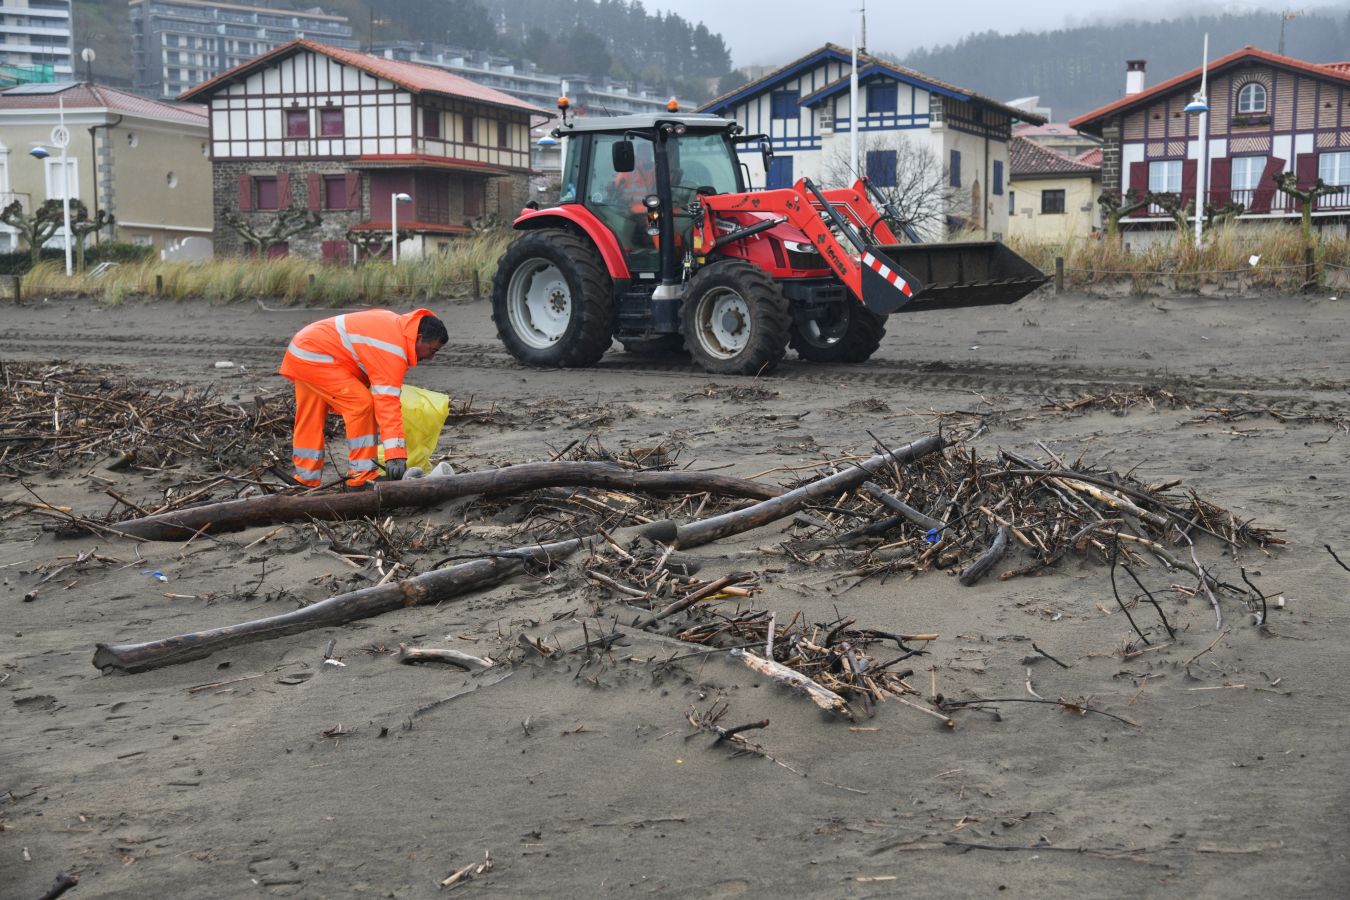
[771,32]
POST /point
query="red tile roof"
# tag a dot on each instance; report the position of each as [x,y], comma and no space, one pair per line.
[1338,72]
[413,77]
[1091,157]
[1028,159]
[86,95]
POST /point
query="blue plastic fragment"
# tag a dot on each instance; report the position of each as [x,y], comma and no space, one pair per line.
[933,536]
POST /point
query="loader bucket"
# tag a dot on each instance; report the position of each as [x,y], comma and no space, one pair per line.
[978,273]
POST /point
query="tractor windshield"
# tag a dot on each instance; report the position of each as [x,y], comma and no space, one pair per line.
[702,161]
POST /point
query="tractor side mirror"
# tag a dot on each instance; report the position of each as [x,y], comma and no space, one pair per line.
[766,151]
[624,158]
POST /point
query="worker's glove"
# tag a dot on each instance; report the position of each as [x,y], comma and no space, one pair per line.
[395,469]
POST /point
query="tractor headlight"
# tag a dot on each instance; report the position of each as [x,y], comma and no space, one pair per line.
[651,201]
[800,247]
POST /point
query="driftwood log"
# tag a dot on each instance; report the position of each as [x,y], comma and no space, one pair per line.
[233,515]
[985,561]
[703,531]
[442,584]
[431,587]
[413,655]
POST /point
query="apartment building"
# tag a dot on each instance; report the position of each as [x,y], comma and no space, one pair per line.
[179,44]
[36,35]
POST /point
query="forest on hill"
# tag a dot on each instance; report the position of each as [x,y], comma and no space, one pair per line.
[1076,70]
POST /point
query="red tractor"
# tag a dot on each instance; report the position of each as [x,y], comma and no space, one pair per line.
[657,241]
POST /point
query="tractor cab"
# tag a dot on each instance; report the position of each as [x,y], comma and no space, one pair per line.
[627,170]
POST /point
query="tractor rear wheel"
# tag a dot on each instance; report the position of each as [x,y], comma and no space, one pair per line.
[736,320]
[553,301]
[848,333]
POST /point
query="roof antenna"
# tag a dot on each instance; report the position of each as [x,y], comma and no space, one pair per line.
[862,47]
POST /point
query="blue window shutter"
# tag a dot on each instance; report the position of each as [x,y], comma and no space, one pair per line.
[783,105]
[881,167]
[780,173]
[955,179]
[998,176]
[881,98]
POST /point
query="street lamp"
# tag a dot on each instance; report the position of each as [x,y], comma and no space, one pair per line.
[394,201]
[61,140]
[1199,105]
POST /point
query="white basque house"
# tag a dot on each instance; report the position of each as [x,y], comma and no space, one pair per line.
[342,133]
[804,108]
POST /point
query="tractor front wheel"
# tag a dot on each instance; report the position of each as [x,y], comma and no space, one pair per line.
[846,333]
[736,320]
[552,301]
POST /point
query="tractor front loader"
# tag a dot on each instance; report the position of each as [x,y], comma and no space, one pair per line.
[657,242]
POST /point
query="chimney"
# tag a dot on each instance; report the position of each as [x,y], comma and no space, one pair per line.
[1134,76]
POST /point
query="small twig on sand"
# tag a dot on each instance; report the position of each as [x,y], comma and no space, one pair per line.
[1206,650]
[1337,558]
[1062,665]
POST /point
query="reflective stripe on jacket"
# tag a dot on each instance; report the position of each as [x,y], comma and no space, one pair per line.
[375,346]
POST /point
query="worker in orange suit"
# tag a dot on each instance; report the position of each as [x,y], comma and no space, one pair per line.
[354,365]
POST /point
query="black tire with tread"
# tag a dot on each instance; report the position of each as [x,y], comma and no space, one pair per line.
[590,329]
[770,318]
[861,338]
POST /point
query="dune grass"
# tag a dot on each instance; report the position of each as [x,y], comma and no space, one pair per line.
[290,279]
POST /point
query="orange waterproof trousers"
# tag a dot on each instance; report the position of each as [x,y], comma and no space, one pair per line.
[350,399]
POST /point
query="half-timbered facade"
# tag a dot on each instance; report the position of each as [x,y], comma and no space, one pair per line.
[1268,114]
[343,133]
[805,109]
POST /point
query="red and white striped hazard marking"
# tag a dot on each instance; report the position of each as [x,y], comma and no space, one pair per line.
[885,272]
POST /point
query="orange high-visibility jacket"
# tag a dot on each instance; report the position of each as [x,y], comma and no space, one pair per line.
[376,347]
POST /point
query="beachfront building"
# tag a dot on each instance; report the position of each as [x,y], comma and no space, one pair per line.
[1051,197]
[804,108]
[1268,114]
[143,161]
[346,134]
[35,40]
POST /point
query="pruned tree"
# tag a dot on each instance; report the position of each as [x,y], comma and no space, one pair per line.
[1181,210]
[1221,214]
[919,190]
[285,225]
[373,243]
[1306,197]
[82,226]
[1116,206]
[38,226]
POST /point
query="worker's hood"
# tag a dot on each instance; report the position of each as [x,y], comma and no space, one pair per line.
[408,323]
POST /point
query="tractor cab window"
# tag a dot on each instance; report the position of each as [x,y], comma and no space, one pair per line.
[702,162]
[571,173]
[616,198]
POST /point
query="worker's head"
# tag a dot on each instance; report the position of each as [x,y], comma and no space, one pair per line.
[431,336]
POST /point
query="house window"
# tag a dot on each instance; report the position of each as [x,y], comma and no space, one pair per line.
[1251,98]
[335,192]
[1052,203]
[297,123]
[59,182]
[954,172]
[783,105]
[331,123]
[1012,203]
[1334,168]
[998,176]
[881,98]
[431,123]
[504,135]
[1164,176]
[473,199]
[265,187]
[469,137]
[1247,172]
[881,167]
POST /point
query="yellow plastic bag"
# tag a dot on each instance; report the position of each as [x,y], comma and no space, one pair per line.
[424,415]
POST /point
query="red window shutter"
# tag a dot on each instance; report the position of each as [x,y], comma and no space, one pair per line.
[1265,189]
[335,252]
[245,193]
[1189,168]
[279,251]
[1138,184]
[1306,168]
[354,190]
[284,199]
[1221,181]
[315,185]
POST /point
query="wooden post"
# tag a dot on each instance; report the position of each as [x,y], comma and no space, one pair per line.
[476,293]
[1059,274]
[18,293]
[1310,268]
[159,285]
[311,282]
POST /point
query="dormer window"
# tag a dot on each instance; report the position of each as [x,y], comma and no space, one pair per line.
[1251,99]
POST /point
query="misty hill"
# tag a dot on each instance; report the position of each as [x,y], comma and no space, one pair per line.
[1077,70]
[586,37]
